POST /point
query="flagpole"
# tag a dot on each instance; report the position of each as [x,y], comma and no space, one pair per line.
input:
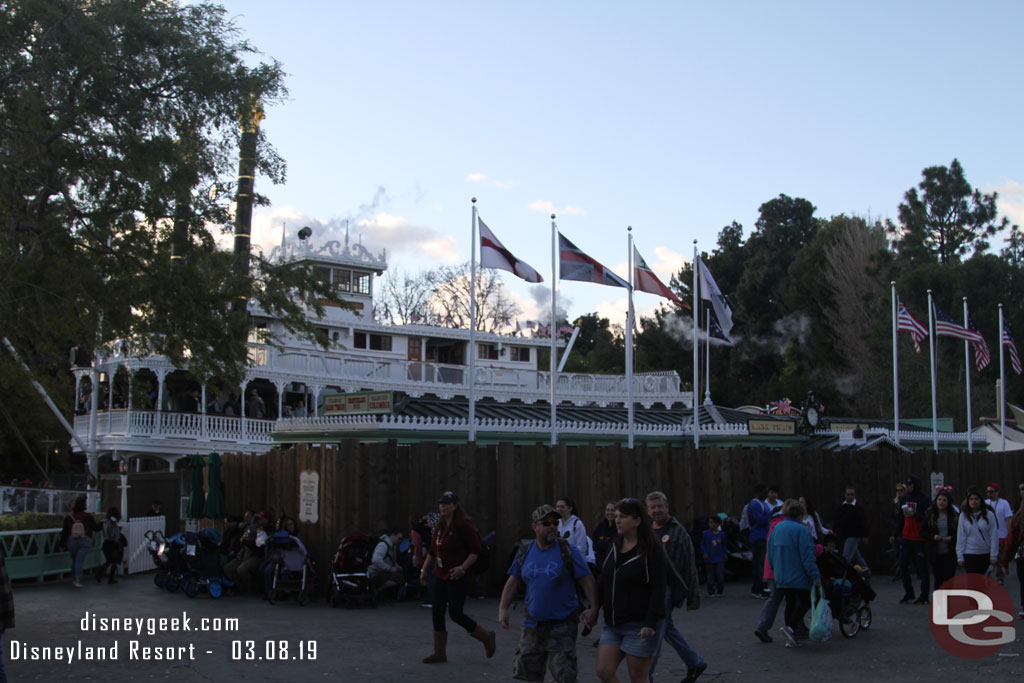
[931,350]
[554,308]
[629,339]
[967,372]
[472,329]
[696,352]
[895,371]
[1002,381]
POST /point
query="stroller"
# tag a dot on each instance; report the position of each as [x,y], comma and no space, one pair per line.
[202,557]
[169,555]
[849,593]
[291,567]
[349,583]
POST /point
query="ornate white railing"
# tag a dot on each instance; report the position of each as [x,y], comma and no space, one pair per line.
[399,422]
[419,377]
[170,425]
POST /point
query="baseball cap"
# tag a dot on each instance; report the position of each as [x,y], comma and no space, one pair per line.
[448,497]
[544,511]
[994,487]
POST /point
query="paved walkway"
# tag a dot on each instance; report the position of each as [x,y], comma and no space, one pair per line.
[386,644]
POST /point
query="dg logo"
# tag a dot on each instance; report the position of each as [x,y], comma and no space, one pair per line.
[972,616]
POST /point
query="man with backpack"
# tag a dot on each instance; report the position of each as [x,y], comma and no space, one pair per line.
[553,570]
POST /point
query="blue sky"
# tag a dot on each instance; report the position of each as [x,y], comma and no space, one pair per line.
[674,117]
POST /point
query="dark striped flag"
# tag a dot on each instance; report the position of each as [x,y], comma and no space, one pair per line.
[575,265]
[982,357]
[1008,343]
[908,322]
[947,327]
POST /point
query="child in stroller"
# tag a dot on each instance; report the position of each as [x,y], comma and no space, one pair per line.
[350,584]
[848,591]
[288,569]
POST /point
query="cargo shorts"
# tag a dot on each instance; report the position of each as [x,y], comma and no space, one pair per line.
[550,646]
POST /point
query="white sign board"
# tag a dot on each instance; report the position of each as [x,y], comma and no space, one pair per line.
[309,497]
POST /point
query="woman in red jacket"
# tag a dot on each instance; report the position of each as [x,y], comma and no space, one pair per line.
[454,548]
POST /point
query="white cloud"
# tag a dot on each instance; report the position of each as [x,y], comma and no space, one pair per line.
[1010,202]
[669,263]
[549,207]
[397,235]
[494,182]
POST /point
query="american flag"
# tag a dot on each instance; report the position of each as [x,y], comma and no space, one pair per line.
[1008,343]
[908,322]
[982,357]
[947,327]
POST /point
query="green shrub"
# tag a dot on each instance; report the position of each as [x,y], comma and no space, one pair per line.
[30,520]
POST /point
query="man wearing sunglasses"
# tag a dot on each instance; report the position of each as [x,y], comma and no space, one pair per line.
[550,567]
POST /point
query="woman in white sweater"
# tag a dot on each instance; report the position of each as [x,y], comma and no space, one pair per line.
[977,542]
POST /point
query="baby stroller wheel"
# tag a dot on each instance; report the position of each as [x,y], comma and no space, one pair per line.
[849,621]
[189,585]
[171,584]
[216,589]
[864,617]
[160,579]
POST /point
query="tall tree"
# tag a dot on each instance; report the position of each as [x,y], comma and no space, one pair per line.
[495,310]
[946,219]
[120,140]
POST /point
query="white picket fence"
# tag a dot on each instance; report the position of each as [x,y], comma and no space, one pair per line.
[136,556]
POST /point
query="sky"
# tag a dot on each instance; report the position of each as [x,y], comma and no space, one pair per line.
[675,118]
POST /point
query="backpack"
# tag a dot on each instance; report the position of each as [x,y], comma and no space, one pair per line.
[745,518]
[77,527]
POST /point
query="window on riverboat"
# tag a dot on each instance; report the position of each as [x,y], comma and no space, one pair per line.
[377,342]
[360,283]
[521,354]
[487,351]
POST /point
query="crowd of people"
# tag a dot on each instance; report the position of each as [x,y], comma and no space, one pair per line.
[635,567]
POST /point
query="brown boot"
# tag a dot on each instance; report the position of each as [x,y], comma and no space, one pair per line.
[487,638]
[440,653]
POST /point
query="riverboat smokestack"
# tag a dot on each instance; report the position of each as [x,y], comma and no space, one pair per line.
[251,114]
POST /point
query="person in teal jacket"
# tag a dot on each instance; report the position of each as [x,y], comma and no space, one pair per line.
[791,558]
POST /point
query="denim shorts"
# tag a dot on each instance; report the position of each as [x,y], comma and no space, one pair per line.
[624,636]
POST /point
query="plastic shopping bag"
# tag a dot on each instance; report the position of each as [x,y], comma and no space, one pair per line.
[821,616]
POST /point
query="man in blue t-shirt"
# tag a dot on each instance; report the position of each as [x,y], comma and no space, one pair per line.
[549,567]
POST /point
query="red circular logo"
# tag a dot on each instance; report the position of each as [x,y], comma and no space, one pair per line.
[972,616]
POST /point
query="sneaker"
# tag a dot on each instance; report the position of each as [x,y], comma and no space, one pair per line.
[790,637]
[909,597]
[923,600]
[763,636]
[693,674]
[759,596]
[76,583]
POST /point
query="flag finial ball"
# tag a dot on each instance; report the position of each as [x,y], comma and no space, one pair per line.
[629,228]
[552,216]
[473,200]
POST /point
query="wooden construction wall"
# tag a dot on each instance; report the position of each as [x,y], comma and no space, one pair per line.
[365,486]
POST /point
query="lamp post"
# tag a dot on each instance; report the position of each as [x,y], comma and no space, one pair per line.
[122,468]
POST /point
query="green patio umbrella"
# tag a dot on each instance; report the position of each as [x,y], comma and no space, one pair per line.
[195,496]
[215,508]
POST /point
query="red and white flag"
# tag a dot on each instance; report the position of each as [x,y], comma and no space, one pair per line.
[493,254]
[645,280]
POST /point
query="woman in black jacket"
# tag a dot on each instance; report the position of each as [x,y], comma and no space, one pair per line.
[939,531]
[632,590]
